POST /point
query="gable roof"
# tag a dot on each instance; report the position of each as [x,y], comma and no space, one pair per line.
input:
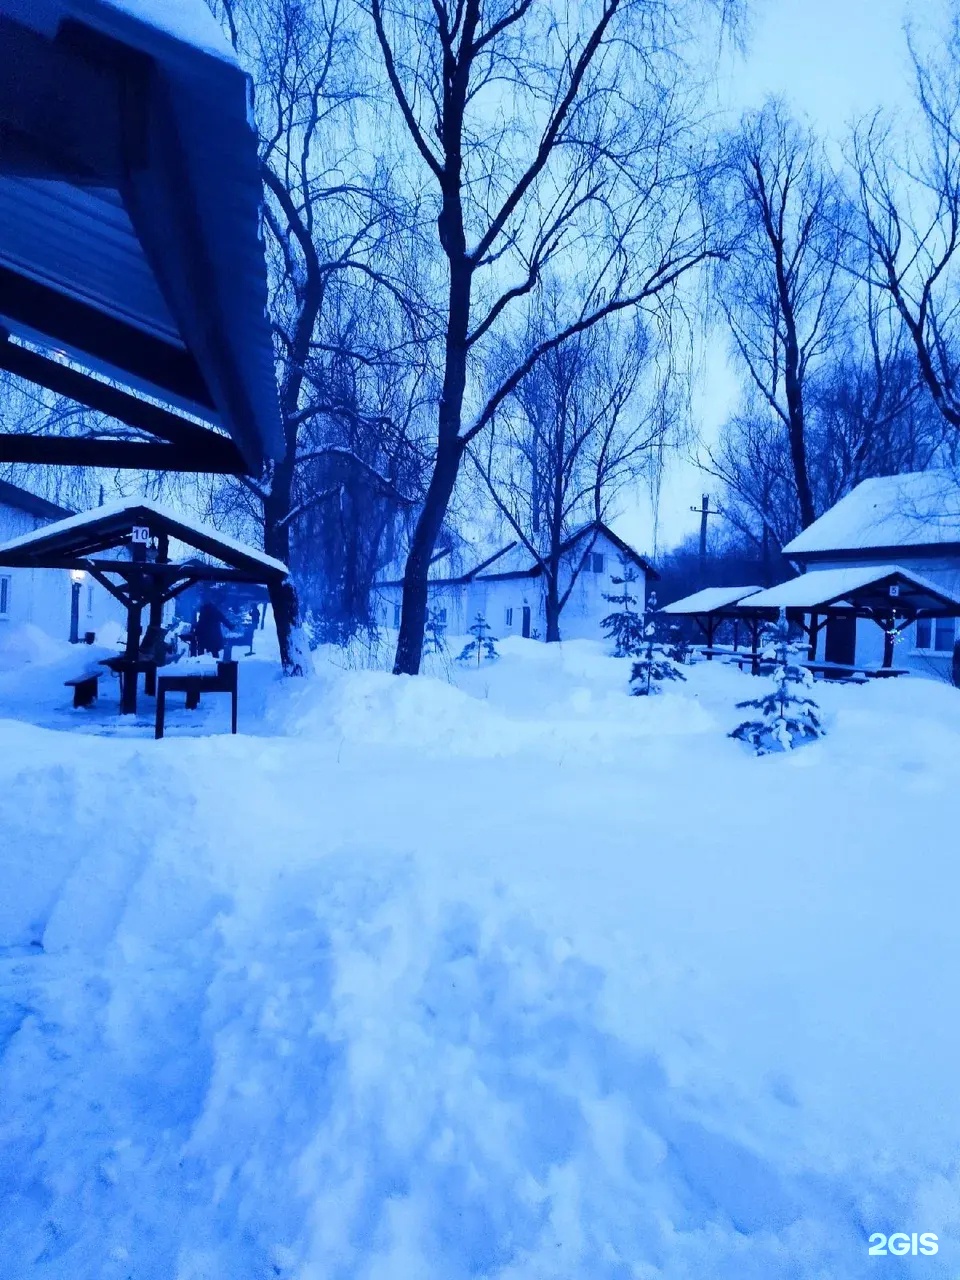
[710,600]
[920,509]
[857,586]
[11,495]
[514,560]
[130,203]
[87,535]
[528,567]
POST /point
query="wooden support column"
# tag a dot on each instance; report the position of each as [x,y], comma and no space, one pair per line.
[888,630]
[128,681]
[813,633]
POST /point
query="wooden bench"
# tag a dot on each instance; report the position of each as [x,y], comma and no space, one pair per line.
[852,673]
[85,686]
[193,684]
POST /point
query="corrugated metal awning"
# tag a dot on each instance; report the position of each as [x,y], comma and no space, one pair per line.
[129,230]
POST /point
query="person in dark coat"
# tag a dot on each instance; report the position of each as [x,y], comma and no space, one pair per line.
[251,628]
[208,629]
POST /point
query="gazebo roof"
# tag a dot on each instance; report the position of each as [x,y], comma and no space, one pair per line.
[878,587]
[130,250]
[710,600]
[82,539]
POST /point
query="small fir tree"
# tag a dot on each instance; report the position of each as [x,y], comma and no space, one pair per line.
[653,665]
[678,647]
[788,714]
[433,634]
[625,625]
[483,644]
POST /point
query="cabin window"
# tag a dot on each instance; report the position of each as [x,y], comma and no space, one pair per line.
[441,617]
[936,635]
[596,562]
[89,598]
[4,597]
[396,617]
[508,618]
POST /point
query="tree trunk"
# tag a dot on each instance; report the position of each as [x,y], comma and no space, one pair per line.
[283,595]
[552,607]
[413,615]
[416,574]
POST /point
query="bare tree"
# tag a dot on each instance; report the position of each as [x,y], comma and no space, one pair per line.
[572,436]
[865,414]
[555,137]
[341,243]
[785,289]
[909,183]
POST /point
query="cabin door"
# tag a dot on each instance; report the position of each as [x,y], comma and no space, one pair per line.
[526,622]
[841,641]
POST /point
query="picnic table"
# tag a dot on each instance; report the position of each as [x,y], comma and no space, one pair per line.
[194,676]
[856,672]
[129,669]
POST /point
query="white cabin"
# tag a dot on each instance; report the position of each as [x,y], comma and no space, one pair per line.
[507,588]
[910,520]
[43,597]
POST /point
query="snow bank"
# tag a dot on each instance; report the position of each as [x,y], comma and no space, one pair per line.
[25,644]
[371,1002]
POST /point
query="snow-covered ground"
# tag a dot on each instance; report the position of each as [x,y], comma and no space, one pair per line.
[510,975]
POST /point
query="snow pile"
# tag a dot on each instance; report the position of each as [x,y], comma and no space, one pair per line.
[25,644]
[111,634]
[479,719]
[641,1011]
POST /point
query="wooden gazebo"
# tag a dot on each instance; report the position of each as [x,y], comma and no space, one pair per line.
[715,605]
[889,595]
[126,547]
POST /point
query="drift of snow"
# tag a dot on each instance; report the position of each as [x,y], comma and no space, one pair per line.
[518,977]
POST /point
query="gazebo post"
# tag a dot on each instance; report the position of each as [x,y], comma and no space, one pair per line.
[813,633]
[128,679]
[888,623]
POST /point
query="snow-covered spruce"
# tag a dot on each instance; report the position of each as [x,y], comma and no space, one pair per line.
[788,714]
[677,646]
[625,625]
[654,663]
[434,634]
[482,646]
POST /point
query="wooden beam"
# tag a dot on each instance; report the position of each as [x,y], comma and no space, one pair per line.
[117,404]
[78,326]
[217,456]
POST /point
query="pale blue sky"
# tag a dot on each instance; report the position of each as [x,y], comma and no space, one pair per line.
[833,61]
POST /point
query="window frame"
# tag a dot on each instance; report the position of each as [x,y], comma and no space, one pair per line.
[508,617]
[396,617]
[596,561]
[931,650]
[6,590]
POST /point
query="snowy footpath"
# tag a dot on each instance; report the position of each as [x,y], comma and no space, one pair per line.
[507,976]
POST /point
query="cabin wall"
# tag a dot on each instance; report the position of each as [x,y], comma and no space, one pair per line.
[501,599]
[41,597]
[944,571]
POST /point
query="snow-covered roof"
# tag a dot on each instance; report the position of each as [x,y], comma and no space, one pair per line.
[709,600]
[918,509]
[832,586]
[114,515]
[189,21]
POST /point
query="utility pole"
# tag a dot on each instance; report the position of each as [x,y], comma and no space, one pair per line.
[705,511]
